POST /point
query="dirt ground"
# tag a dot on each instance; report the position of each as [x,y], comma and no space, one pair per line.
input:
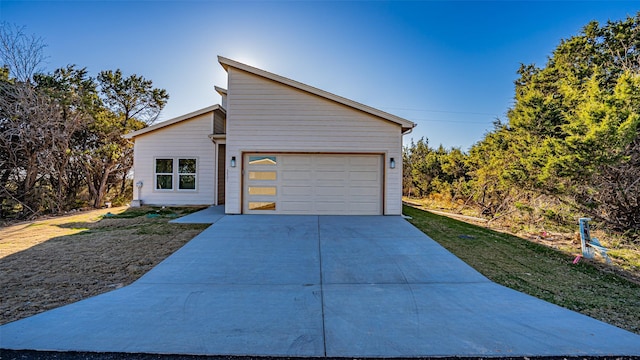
[53,262]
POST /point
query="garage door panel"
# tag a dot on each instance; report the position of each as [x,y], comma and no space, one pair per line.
[362,167]
[314,184]
[296,175]
[335,207]
[294,206]
[362,187]
[333,160]
[364,160]
[364,191]
[330,175]
[296,190]
[331,168]
[332,199]
[331,191]
[295,168]
[363,176]
[294,160]
[363,208]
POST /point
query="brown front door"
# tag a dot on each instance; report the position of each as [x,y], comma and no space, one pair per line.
[222,165]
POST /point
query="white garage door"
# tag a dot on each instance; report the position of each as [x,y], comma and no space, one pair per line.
[312,184]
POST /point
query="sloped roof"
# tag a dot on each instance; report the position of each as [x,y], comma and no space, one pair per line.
[227,63]
[173,121]
[221,91]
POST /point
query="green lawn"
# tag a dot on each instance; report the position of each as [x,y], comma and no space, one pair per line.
[536,269]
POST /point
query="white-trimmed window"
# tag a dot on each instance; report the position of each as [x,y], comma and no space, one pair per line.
[176,174]
[187,174]
[164,174]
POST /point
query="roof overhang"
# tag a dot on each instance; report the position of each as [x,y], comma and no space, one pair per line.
[175,120]
[404,123]
[218,138]
[221,91]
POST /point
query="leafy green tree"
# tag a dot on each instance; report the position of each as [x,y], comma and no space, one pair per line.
[572,138]
[418,168]
[132,97]
[430,171]
[61,133]
[487,161]
[130,103]
[574,128]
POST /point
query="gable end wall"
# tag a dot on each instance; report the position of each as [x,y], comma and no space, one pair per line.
[189,138]
[263,115]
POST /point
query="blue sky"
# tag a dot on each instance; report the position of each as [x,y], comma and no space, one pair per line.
[448,66]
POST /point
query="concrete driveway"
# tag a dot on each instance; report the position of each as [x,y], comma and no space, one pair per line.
[317,286]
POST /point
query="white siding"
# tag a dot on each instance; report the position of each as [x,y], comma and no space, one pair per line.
[187,139]
[266,116]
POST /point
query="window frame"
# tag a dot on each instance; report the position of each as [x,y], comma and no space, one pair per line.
[176,174]
[194,174]
[156,174]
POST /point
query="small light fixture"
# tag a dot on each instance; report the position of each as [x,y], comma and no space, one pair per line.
[233,161]
[392,163]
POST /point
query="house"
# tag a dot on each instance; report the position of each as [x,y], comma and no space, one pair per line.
[274,146]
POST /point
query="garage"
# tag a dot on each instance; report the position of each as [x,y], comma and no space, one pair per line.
[318,184]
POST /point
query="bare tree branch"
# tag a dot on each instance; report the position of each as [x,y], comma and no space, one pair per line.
[22,53]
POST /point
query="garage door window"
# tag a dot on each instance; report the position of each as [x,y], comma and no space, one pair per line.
[262,190]
[263,160]
[262,205]
[262,175]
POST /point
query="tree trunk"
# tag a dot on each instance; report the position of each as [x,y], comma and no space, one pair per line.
[102,187]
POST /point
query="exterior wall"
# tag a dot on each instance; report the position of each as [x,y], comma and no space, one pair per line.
[189,138]
[263,115]
[219,124]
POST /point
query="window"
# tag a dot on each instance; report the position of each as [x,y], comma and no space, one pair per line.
[262,190]
[262,205]
[262,160]
[185,173]
[262,175]
[164,174]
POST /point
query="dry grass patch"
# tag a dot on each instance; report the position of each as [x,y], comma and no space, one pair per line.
[54,262]
[24,235]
